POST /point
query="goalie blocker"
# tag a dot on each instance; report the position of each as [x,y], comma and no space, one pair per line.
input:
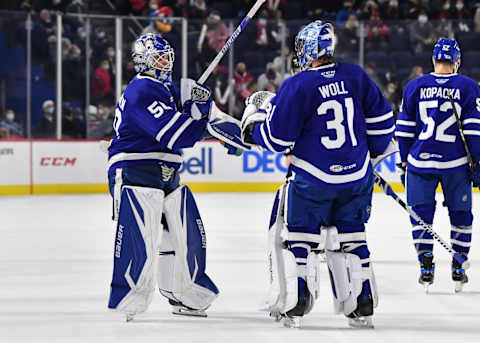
[169,251]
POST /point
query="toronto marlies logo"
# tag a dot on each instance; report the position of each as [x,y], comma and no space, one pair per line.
[441,81]
[329,74]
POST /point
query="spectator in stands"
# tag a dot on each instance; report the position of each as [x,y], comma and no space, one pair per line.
[393,96]
[102,84]
[416,72]
[368,7]
[274,7]
[73,123]
[99,122]
[181,9]
[271,76]
[242,77]
[377,32]
[47,126]
[73,74]
[46,21]
[349,35]
[345,13]
[160,24]
[370,69]
[476,18]
[128,72]
[262,30]
[287,59]
[414,8]
[198,8]
[217,32]
[9,127]
[223,88]
[392,11]
[422,33]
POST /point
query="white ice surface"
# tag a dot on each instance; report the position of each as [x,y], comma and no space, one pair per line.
[56,264]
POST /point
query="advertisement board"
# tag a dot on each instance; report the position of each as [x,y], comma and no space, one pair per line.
[49,167]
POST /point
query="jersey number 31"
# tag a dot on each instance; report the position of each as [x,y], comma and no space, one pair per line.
[337,122]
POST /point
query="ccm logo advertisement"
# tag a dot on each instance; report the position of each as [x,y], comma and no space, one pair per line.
[68,163]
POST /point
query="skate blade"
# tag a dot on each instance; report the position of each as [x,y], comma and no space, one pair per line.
[129,317]
[459,286]
[277,316]
[292,322]
[361,322]
[426,287]
[182,311]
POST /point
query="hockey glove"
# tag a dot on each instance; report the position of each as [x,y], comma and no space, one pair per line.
[259,99]
[475,175]
[196,99]
[251,117]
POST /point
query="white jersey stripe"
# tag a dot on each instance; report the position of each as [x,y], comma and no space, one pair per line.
[265,139]
[404,134]
[177,134]
[462,244]
[137,156]
[406,123]
[379,118]
[437,164]
[380,132]
[168,126]
[471,132]
[471,121]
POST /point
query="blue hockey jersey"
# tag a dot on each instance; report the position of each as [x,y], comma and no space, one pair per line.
[427,130]
[334,115]
[149,127]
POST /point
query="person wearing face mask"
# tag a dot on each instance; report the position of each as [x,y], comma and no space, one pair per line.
[422,33]
[102,83]
[344,13]
[46,127]
[8,126]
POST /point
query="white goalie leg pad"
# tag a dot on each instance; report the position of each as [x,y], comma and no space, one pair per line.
[347,276]
[283,291]
[182,254]
[139,230]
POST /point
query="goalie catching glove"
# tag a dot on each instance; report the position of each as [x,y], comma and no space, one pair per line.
[254,113]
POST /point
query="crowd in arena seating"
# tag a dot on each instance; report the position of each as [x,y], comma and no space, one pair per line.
[398,37]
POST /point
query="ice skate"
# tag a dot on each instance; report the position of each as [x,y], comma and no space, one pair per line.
[182,310]
[364,322]
[129,317]
[427,271]
[362,317]
[294,322]
[458,276]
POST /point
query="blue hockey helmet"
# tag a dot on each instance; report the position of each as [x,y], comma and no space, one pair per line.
[153,54]
[315,40]
[447,50]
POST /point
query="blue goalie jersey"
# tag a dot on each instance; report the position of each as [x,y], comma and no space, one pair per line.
[148,126]
[427,130]
[334,115]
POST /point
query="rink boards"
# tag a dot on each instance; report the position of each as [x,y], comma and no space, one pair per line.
[54,167]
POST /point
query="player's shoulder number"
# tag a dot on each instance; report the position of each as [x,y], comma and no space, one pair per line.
[478,104]
[157,108]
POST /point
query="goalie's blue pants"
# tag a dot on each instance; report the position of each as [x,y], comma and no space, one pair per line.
[310,206]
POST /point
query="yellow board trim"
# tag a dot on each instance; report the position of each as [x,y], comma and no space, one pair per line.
[198,187]
[15,190]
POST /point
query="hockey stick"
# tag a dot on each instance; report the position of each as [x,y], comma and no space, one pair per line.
[387,189]
[462,136]
[230,41]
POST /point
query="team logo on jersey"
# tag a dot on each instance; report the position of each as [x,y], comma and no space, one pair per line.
[330,74]
[427,155]
[337,168]
[441,81]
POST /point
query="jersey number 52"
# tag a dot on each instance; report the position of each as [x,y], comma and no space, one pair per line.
[440,135]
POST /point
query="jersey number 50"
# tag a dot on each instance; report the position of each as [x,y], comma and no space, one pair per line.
[337,122]
[440,135]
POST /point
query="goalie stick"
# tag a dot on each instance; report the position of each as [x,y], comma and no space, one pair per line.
[387,189]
